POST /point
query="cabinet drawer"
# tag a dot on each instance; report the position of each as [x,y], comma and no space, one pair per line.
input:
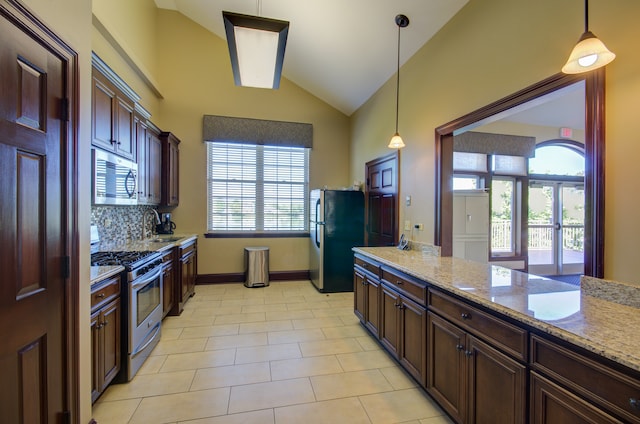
[367,265]
[168,256]
[406,285]
[612,390]
[506,336]
[105,292]
[187,248]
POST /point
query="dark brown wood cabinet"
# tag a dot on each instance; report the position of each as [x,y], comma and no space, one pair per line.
[367,291]
[105,334]
[168,281]
[186,275]
[170,169]
[112,117]
[472,381]
[149,160]
[578,378]
[403,330]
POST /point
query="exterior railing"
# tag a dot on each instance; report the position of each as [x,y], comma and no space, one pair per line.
[540,237]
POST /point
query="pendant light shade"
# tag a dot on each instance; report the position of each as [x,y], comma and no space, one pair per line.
[256,49]
[590,53]
[396,141]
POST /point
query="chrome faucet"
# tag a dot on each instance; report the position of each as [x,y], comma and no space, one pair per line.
[144,222]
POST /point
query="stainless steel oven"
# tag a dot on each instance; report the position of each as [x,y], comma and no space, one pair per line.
[141,305]
[145,307]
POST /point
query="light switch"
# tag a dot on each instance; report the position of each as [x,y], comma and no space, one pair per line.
[408,201]
[407,225]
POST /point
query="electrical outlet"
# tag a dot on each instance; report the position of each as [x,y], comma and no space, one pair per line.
[407,225]
[419,227]
[107,223]
[408,200]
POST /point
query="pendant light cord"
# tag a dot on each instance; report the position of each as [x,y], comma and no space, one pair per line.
[398,82]
[586,15]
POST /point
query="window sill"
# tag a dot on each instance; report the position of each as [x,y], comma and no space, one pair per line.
[257,234]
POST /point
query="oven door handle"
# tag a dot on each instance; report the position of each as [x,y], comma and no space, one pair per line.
[146,278]
[151,339]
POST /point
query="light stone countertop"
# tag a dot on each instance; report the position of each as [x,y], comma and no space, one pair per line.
[601,326]
[157,243]
[99,273]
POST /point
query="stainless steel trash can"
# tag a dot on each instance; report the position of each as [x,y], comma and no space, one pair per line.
[256,261]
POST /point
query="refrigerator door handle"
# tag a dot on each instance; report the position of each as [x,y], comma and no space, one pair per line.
[317,240]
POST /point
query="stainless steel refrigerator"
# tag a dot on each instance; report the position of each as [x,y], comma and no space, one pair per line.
[336,225]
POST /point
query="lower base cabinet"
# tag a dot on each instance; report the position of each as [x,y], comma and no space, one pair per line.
[186,272]
[168,282]
[403,331]
[105,335]
[552,404]
[471,380]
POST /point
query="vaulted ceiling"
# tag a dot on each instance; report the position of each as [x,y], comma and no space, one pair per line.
[341,51]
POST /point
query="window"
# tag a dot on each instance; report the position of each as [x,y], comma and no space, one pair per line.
[256,188]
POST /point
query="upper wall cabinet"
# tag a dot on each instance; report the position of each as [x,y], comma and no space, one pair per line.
[149,158]
[113,105]
[170,167]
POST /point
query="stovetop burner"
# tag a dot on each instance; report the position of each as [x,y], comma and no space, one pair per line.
[128,259]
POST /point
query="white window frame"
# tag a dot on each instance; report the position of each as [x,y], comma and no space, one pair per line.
[254,182]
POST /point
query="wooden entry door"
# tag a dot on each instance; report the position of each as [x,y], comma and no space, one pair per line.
[382,200]
[34,224]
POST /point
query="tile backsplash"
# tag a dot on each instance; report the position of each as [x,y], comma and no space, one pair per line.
[121,223]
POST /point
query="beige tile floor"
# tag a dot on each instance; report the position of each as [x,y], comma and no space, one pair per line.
[283,354]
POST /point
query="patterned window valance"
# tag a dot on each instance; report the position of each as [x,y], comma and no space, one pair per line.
[494,144]
[258,131]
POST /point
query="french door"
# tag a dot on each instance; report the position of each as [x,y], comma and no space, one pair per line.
[556,227]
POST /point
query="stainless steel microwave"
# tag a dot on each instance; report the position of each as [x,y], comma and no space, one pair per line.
[115,179]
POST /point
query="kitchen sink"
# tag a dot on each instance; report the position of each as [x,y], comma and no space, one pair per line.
[163,239]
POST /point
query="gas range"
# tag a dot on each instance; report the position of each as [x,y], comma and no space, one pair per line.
[136,263]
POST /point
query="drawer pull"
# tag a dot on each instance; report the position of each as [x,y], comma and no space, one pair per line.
[465,315]
[459,347]
[365,266]
[398,282]
[634,404]
[468,353]
[100,295]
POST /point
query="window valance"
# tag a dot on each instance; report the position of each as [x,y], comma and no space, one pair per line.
[495,144]
[247,130]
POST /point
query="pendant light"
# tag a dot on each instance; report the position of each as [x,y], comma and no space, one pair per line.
[256,48]
[590,53]
[396,141]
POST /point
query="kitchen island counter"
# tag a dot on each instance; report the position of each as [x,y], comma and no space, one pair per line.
[566,311]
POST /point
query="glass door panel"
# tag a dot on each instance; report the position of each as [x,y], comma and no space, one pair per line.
[572,261]
[542,234]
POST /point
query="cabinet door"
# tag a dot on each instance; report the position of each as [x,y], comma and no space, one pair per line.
[110,322]
[154,159]
[497,385]
[372,306]
[167,288]
[552,404]
[96,348]
[174,164]
[389,320]
[359,295]
[143,162]
[125,140]
[413,339]
[103,97]
[446,366]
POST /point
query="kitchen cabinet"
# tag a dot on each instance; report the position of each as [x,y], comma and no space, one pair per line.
[112,116]
[403,321]
[472,381]
[105,334]
[170,169]
[571,386]
[186,274]
[168,281]
[367,289]
[149,160]
[476,362]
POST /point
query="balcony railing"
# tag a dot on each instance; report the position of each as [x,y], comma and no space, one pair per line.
[540,236]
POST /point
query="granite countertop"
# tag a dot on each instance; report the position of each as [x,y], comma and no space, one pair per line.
[158,243]
[99,273]
[566,311]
